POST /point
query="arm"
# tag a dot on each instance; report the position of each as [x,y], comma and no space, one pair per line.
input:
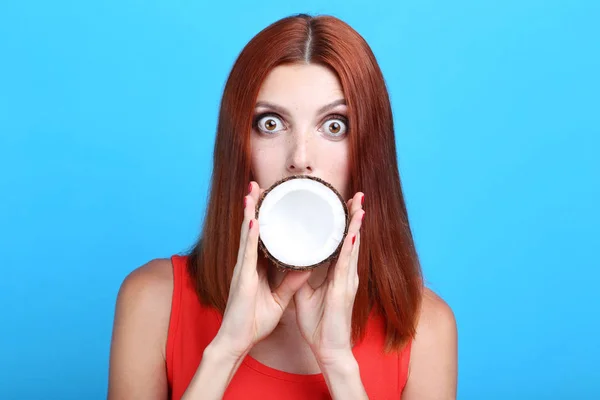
[214,373]
[433,362]
[324,314]
[137,355]
[343,379]
[253,310]
[138,348]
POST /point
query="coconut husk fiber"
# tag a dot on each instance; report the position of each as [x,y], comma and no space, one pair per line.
[284,266]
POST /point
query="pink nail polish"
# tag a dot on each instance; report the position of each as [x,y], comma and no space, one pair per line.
[251,223]
[353,239]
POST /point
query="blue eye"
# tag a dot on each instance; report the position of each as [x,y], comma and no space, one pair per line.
[269,124]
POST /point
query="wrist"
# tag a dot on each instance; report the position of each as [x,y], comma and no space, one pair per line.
[342,375]
[340,363]
[217,367]
[222,351]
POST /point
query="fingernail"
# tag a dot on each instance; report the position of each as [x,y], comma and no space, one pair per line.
[250,188]
[353,239]
[362,200]
[251,223]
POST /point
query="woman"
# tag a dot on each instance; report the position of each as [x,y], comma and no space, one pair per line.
[305,96]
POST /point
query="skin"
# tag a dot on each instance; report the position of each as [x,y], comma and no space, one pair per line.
[300,129]
[303,139]
[297,322]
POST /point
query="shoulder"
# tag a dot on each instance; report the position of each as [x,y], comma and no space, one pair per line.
[146,293]
[436,318]
[152,282]
[433,361]
[141,321]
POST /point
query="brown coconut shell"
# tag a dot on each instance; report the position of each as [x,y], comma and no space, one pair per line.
[284,266]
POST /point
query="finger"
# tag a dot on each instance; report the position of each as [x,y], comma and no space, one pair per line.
[248,249]
[304,293]
[353,264]
[250,258]
[356,203]
[291,283]
[343,268]
[255,191]
[330,273]
[248,204]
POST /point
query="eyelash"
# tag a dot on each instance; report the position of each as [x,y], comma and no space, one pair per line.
[261,116]
[272,114]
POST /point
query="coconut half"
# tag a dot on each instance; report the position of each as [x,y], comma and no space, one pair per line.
[303,221]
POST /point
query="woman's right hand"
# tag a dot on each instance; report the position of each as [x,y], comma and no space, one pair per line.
[253,309]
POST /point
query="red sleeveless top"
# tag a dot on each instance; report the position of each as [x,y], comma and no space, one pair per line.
[193,326]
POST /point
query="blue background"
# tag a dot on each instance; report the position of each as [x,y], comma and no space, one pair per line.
[107,119]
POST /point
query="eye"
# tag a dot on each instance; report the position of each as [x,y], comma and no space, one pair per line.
[336,126]
[269,123]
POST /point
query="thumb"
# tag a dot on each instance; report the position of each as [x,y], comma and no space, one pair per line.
[292,281]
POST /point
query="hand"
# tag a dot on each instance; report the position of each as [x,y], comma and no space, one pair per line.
[324,315]
[253,310]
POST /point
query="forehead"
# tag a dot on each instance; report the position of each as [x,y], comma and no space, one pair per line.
[301,84]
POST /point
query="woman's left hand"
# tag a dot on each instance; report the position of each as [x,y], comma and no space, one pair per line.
[324,314]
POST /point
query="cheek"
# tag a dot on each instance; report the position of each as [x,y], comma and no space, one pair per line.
[258,161]
[339,173]
[344,177]
[265,164]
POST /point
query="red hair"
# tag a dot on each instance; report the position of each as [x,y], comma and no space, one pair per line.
[389,271]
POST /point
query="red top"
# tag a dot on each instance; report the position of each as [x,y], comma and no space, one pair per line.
[193,326]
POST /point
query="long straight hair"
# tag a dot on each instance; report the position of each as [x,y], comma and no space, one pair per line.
[388,266]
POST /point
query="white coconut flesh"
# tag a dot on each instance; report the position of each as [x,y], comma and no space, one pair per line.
[302,222]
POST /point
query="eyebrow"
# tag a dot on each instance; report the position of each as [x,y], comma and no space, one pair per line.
[285,112]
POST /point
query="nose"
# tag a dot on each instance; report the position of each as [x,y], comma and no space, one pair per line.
[300,156]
